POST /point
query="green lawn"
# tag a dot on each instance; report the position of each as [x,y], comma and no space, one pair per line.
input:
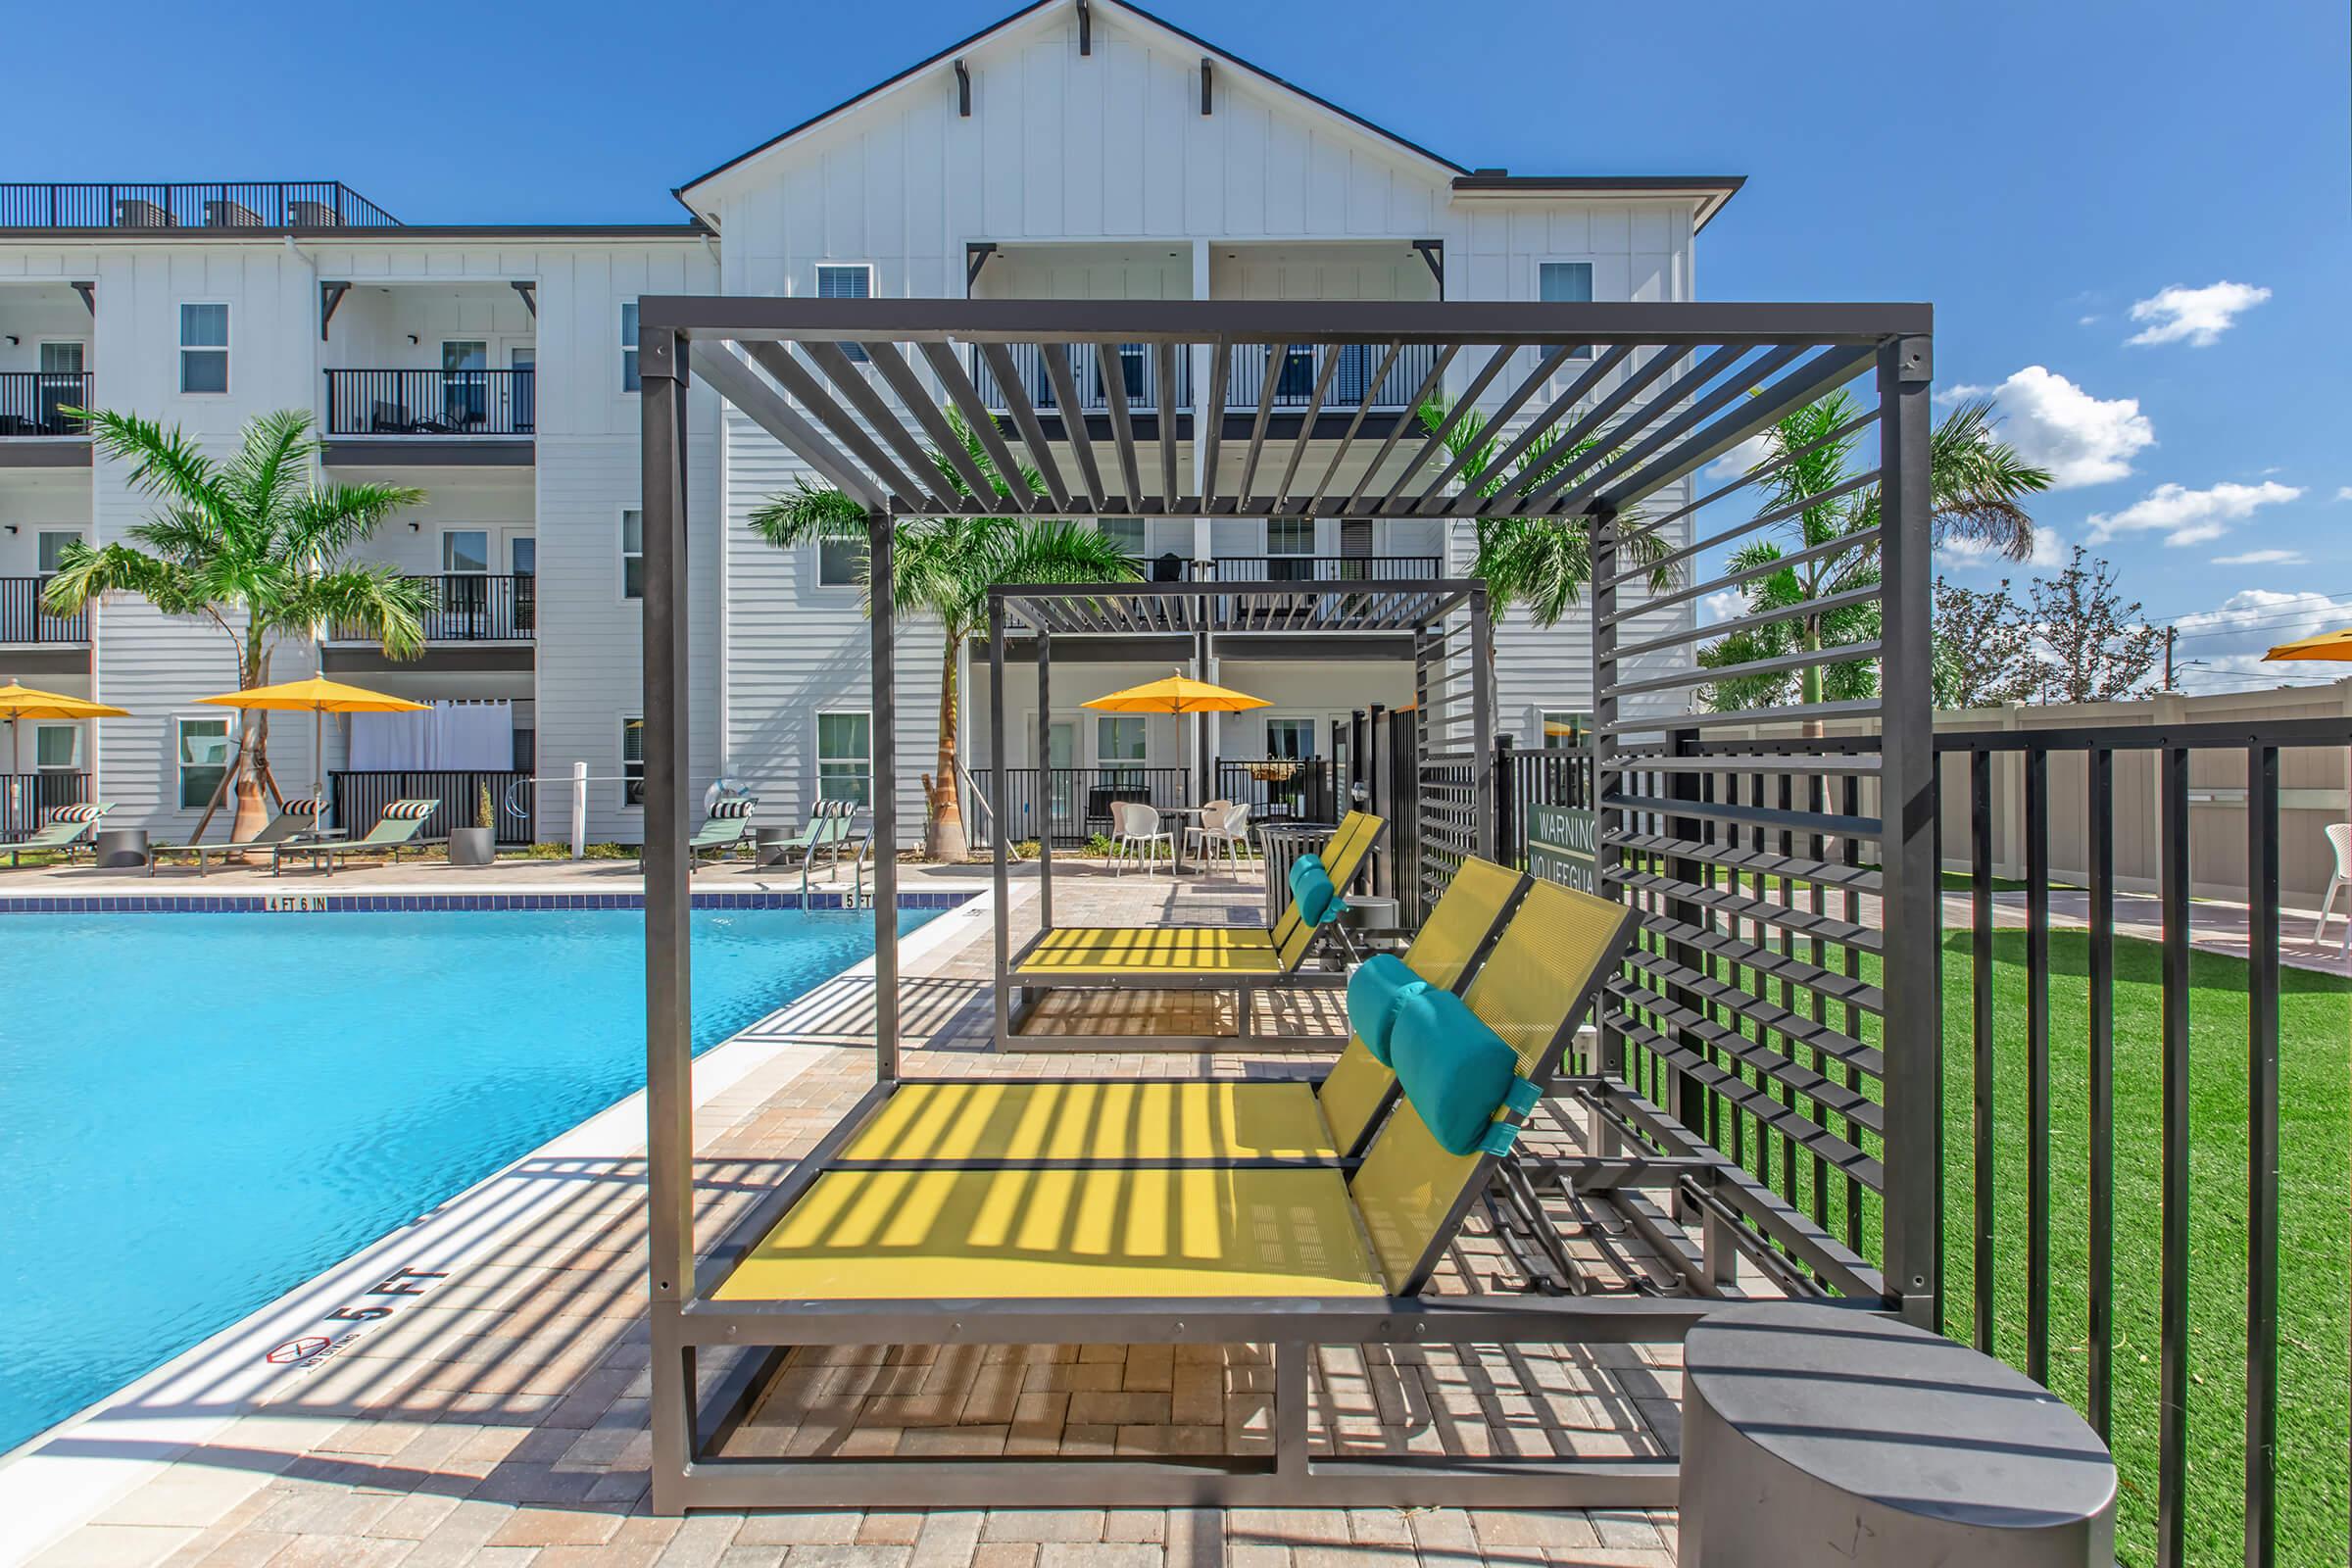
[2316,1095]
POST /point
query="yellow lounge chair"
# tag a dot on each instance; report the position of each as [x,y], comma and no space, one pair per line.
[1296,1256]
[1235,958]
[1232,1122]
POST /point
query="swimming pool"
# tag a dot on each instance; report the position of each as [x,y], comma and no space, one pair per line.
[200,1111]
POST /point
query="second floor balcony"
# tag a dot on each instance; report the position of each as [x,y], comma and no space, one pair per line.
[431,403]
[1361,375]
[470,607]
[34,403]
[24,622]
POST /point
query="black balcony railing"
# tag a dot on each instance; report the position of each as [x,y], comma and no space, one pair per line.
[34,402]
[470,607]
[1350,379]
[23,620]
[360,798]
[28,799]
[1319,569]
[430,403]
[1139,372]
[232,204]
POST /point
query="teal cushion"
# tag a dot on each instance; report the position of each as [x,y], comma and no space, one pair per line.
[1305,865]
[1310,885]
[1456,1073]
[1378,985]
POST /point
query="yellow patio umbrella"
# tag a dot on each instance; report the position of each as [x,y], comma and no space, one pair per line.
[2327,645]
[1178,694]
[25,702]
[318,697]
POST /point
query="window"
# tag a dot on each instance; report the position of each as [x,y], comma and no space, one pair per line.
[1565,731]
[465,550]
[57,748]
[53,542]
[204,348]
[840,563]
[632,760]
[632,554]
[628,345]
[844,765]
[1290,536]
[465,385]
[1293,738]
[1125,532]
[61,359]
[1120,739]
[203,760]
[847,282]
[1565,284]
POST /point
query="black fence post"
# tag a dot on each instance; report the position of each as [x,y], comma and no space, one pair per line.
[1690,1092]
[1511,848]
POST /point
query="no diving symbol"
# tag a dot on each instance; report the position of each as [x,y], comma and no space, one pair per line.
[294,1350]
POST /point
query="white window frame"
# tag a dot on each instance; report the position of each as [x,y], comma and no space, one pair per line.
[620,743]
[1534,286]
[622,556]
[489,538]
[228,336]
[816,289]
[70,726]
[816,750]
[41,536]
[1143,535]
[46,342]
[629,361]
[817,567]
[1543,718]
[1314,723]
[179,752]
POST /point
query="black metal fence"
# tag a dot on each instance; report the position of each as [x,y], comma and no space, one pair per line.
[23,620]
[1137,374]
[1073,803]
[1352,376]
[1525,780]
[34,402]
[360,798]
[431,403]
[28,799]
[472,606]
[232,204]
[1319,569]
[1308,790]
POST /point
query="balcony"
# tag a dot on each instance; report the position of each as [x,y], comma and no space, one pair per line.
[218,205]
[470,608]
[430,403]
[1319,569]
[1351,379]
[24,623]
[36,431]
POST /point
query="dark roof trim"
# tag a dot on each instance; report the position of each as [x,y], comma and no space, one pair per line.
[1720,188]
[365,236]
[961,45]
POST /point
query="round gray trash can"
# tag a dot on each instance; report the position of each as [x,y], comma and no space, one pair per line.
[119,847]
[1820,1434]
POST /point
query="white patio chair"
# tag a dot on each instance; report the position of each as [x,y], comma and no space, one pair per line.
[1139,831]
[1224,826]
[1118,835]
[2339,839]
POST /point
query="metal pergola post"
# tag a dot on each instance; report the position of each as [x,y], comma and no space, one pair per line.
[881,530]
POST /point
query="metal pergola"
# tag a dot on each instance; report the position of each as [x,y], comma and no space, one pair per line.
[1443,622]
[1747,1071]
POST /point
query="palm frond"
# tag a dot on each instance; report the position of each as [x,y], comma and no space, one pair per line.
[808,513]
[85,573]
[324,523]
[377,601]
[163,462]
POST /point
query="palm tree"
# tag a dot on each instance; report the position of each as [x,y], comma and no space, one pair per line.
[943,567]
[256,546]
[1976,485]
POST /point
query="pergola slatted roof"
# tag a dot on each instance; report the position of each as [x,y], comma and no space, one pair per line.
[863,391]
[1221,609]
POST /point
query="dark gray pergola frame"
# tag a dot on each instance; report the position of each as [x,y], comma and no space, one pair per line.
[1203,612]
[1715,376]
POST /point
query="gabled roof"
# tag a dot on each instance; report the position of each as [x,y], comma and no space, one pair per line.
[1712,191]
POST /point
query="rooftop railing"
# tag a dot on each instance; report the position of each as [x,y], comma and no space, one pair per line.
[234,203]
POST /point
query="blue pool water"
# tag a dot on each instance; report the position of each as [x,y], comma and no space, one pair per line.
[200,1111]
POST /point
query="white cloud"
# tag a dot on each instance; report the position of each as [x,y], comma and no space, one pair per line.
[2264,557]
[2055,424]
[2344,493]
[1724,606]
[2222,649]
[1743,457]
[2089,321]
[2048,549]
[2187,516]
[2197,317]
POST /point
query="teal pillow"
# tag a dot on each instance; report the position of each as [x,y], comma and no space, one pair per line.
[1310,885]
[1378,985]
[1456,1073]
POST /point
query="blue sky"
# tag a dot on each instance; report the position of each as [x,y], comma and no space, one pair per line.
[2035,171]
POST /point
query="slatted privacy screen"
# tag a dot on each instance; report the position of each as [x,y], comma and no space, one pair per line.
[1782,999]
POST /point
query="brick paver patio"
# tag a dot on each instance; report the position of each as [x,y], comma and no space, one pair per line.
[500,1417]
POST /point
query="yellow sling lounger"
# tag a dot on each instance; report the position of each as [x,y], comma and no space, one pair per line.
[1175,1121]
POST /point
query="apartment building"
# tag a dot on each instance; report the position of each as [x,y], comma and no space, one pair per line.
[1081,149]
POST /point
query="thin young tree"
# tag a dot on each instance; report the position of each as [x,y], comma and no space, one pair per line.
[2095,647]
[256,545]
[943,567]
[1983,647]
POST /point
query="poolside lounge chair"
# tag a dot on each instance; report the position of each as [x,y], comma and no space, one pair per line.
[1318,1121]
[1240,958]
[1155,1250]
[722,832]
[69,828]
[396,829]
[831,827]
[294,818]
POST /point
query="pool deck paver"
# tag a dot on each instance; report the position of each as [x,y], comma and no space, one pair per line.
[500,1418]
